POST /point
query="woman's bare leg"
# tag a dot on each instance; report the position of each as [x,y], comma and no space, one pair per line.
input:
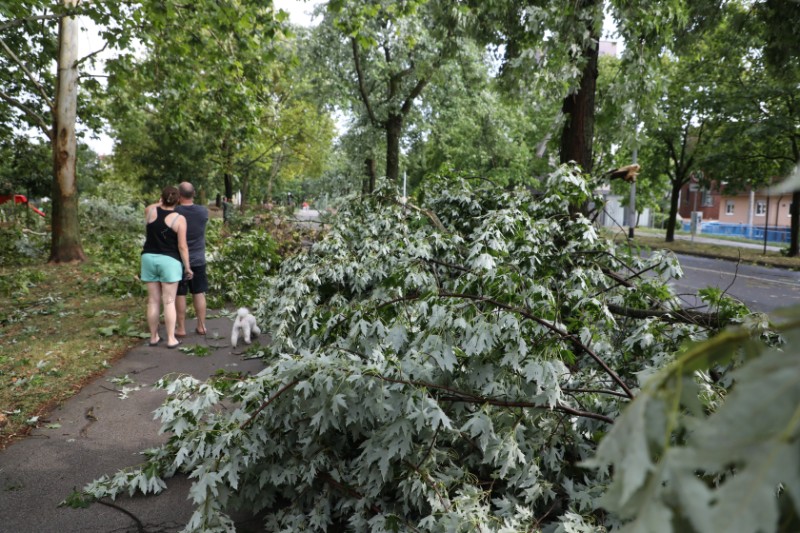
[153,309]
[168,292]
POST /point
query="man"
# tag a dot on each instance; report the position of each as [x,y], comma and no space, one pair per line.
[196,220]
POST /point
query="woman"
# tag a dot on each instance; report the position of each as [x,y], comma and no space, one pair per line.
[165,260]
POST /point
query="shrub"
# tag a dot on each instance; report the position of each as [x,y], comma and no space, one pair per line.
[113,235]
[238,264]
[18,282]
[19,247]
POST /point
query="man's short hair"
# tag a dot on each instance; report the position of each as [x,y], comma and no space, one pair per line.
[186,190]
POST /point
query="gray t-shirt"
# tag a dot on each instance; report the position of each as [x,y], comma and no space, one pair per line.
[196,220]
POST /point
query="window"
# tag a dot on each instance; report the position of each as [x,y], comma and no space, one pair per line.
[708,200]
[729,207]
[761,208]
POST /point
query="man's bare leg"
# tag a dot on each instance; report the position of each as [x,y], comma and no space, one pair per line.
[180,316]
[199,302]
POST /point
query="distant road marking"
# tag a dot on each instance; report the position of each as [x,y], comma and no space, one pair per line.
[795,284]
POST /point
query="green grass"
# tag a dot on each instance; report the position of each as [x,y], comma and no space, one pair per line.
[56,333]
[654,239]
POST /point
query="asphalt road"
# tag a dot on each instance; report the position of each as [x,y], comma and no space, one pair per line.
[760,288]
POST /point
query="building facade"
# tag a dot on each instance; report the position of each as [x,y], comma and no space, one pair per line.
[750,207]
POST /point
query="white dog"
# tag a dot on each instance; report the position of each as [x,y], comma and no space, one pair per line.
[244,323]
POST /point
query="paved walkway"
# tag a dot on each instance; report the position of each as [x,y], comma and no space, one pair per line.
[98,433]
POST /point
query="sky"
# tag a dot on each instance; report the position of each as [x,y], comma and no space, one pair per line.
[299,11]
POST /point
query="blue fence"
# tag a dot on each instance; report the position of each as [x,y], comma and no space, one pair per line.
[774,233]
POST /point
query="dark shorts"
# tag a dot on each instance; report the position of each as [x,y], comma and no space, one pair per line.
[198,284]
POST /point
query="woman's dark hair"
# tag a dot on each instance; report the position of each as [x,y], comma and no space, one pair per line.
[169,196]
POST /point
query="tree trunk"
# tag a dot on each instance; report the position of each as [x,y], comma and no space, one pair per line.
[245,190]
[228,184]
[794,251]
[369,182]
[274,169]
[65,246]
[673,210]
[578,107]
[227,174]
[394,130]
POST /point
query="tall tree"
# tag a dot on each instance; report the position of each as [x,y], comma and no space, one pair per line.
[467,127]
[550,52]
[386,54]
[578,107]
[679,134]
[32,35]
[758,110]
[215,79]
[65,245]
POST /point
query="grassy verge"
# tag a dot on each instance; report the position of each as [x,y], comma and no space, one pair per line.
[733,253]
[56,332]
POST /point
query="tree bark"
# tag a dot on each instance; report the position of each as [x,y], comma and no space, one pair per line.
[65,246]
[394,130]
[227,175]
[794,249]
[245,190]
[371,173]
[578,107]
[673,210]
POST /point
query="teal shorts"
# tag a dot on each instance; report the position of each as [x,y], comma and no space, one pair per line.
[157,267]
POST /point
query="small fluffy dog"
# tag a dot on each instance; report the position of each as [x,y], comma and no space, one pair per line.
[244,324]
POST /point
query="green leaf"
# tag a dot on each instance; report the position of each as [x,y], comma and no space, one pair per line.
[76,500]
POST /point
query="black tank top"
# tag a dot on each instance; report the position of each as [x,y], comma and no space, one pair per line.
[161,239]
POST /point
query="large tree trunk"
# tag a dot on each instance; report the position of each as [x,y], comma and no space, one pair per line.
[578,107]
[66,246]
[228,178]
[394,130]
[673,210]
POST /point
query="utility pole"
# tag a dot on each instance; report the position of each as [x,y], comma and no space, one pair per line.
[632,200]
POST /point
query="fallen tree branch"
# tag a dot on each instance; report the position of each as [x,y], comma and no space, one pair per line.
[507,403]
[574,340]
[269,401]
[429,214]
[675,316]
[455,395]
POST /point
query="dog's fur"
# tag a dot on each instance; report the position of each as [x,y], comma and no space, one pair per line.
[244,324]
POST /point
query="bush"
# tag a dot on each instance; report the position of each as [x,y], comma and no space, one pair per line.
[113,235]
[105,216]
[238,264]
[19,281]
[19,247]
